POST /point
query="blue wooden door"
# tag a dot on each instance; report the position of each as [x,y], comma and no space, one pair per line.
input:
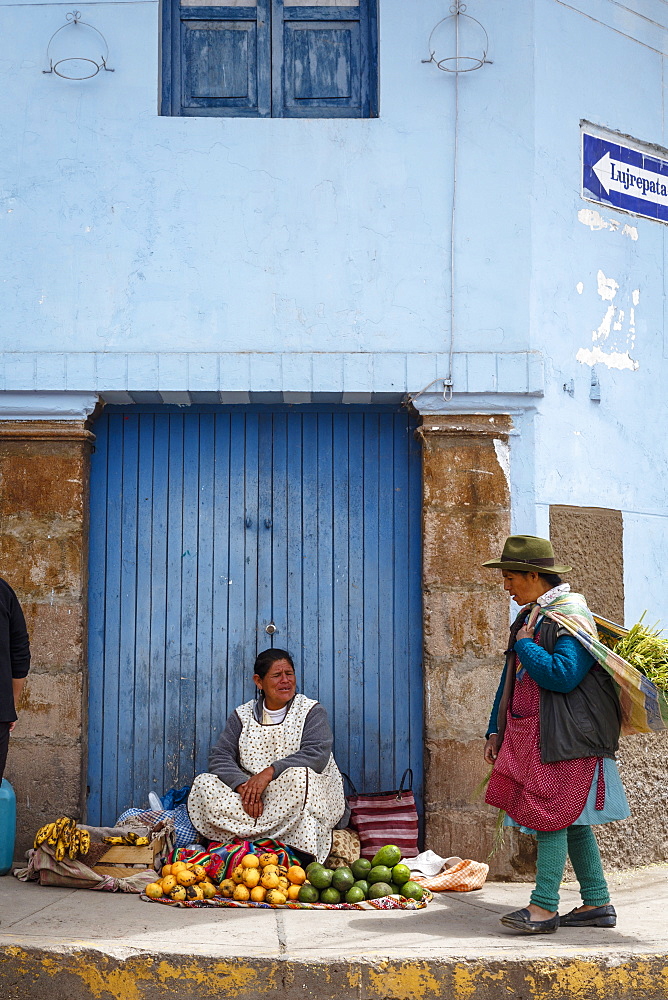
[212,523]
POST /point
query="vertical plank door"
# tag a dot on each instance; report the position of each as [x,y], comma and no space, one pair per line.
[210,524]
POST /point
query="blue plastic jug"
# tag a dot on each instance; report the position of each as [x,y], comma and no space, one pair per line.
[7,826]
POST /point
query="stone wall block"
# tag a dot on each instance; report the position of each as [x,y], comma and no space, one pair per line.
[466,519]
[43,555]
[459,697]
[643,838]
[56,636]
[457,542]
[48,783]
[46,484]
[464,476]
[456,769]
[40,559]
[467,622]
[588,538]
[51,707]
[472,834]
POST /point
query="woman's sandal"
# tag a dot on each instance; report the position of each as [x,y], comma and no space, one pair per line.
[602,916]
[520,920]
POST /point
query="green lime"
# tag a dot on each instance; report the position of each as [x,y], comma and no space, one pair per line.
[380,873]
[363,885]
[355,895]
[321,878]
[378,890]
[308,894]
[330,896]
[343,879]
[411,890]
[360,868]
[388,855]
[313,864]
[396,890]
[401,874]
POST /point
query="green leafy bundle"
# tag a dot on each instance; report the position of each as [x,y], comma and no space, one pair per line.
[646,649]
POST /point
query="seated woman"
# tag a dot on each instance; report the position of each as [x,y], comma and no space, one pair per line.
[272,773]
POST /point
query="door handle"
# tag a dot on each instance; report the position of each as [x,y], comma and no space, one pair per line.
[270,628]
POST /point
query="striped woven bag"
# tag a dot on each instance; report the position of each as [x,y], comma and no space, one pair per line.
[386,818]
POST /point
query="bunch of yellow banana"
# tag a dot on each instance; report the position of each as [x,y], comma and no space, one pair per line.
[128,839]
[65,837]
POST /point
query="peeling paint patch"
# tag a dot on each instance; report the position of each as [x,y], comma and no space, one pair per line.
[617,355]
[502,449]
[580,287]
[607,287]
[614,359]
[414,979]
[595,221]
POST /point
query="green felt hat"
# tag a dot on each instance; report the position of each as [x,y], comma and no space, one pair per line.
[523,553]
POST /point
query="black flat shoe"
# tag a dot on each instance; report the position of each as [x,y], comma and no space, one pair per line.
[602,916]
[521,921]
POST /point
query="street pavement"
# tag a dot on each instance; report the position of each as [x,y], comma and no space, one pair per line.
[68,944]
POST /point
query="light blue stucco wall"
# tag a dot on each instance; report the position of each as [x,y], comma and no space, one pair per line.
[134,232]
[602,63]
[186,255]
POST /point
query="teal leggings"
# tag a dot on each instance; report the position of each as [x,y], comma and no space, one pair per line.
[578,843]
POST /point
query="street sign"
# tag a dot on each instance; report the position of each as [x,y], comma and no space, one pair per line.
[624,177]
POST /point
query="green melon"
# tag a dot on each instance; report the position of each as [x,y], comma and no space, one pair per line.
[389,855]
[378,890]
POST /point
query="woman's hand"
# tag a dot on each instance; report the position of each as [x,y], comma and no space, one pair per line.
[252,790]
[524,633]
[492,748]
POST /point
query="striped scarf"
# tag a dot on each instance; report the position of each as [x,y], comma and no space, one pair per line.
[644,706]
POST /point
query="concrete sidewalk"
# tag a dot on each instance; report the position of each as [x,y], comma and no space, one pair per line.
[69,944]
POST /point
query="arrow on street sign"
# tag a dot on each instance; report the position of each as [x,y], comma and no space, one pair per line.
[617,176]
[624,177]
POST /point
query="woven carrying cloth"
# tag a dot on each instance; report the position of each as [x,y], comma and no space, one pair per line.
[301,807]
[465,876]
[345,849]
[644,707]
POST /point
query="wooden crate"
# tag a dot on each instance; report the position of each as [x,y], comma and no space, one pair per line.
[117,861]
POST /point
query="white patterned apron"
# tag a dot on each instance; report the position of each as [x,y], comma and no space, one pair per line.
[301,807]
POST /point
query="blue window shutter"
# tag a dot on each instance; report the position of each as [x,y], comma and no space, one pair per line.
[256,61]
[324,61]
[220,60]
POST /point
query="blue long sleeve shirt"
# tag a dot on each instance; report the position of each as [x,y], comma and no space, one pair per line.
[562,671]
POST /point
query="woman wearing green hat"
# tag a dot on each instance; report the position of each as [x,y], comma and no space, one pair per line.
[552,737]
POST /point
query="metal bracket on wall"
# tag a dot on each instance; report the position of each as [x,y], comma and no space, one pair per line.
[83,66]
[595,388]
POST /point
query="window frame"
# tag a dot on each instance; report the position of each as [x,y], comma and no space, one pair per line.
[273,100]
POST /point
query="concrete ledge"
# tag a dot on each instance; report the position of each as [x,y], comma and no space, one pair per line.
[76,945]
[32,975]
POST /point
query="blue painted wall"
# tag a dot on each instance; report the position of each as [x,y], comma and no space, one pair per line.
[143,247]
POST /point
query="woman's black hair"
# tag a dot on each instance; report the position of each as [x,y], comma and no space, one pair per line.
[552,578]
[267,657]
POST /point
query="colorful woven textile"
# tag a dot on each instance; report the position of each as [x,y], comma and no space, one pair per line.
[644,706]
[385,903]
[462,877]
[220,860]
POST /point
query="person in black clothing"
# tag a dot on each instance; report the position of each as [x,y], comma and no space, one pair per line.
[14,664]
